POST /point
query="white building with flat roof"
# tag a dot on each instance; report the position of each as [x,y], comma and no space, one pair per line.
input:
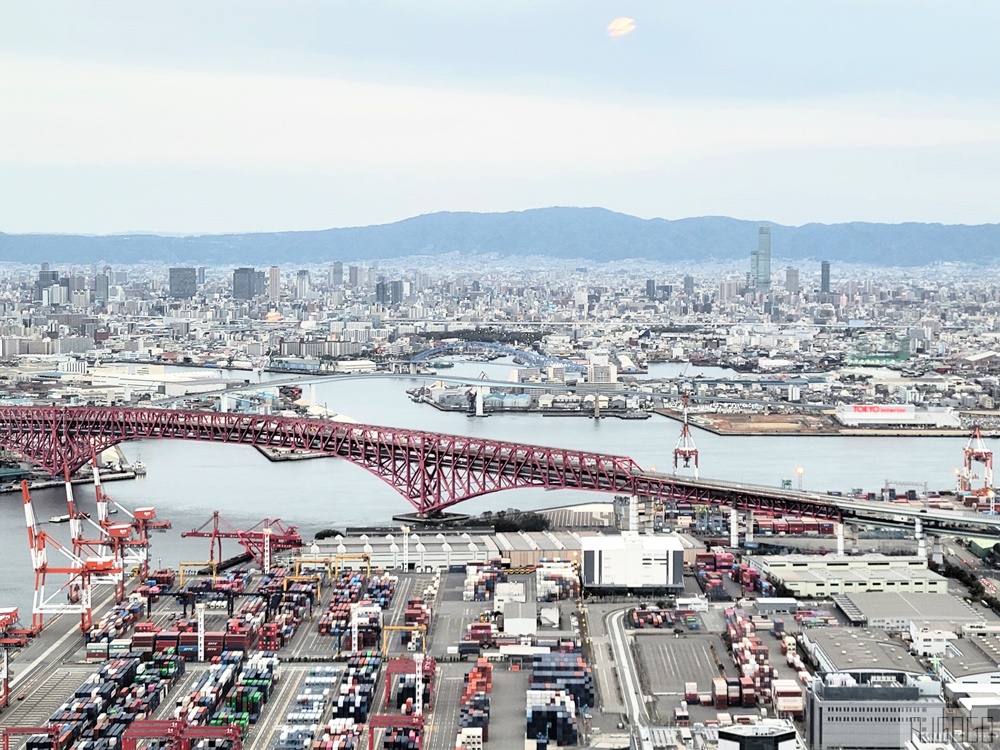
[633,561]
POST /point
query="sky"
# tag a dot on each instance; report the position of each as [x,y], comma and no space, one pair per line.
[208,116]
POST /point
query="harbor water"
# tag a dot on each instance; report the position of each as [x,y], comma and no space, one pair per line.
[186,482]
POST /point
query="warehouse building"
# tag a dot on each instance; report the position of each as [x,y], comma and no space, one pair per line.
[896,416]
[858,650]
[633,561]
[897,612]
[829,575]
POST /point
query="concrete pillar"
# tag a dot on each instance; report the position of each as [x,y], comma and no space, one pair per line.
[840,540]
[937,554]
[480,411]
[413,368]
[224,403]
[749,534]
[312,394]
[921,538]
[597,406]
[633,514]
[734,528]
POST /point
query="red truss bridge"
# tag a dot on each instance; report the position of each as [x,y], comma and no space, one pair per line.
[432,471]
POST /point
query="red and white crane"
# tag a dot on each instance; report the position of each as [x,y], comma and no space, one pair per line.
[976,452]
[73,596]
[685,450]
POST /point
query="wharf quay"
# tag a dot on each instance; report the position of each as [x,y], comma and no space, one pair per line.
[800,425]
[279,455]
[42,484]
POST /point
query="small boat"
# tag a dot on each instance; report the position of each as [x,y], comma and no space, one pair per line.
[59,519]
[139,468]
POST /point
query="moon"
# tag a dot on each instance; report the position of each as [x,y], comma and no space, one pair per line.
[621,26]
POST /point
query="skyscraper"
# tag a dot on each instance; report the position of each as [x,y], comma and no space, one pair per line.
[183,282]
[274,285]
[302,284]
[792,280]
[338,274]
[102,284]
[760,261]
[650,288]
[244,283]
[689,285]
[824,277]
[354,275]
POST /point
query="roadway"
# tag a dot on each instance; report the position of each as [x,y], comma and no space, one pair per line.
[934,521]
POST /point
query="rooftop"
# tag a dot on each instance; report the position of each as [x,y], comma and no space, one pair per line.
[939,609]
[858,650]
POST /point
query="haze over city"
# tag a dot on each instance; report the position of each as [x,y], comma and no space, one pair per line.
[190,117]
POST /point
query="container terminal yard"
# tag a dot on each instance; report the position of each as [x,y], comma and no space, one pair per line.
[404,638]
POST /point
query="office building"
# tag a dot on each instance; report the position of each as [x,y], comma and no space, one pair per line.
[382,292]
[337,274]
[302,285]
[183,283]
[792,280]
[651,288]
[689,285]
[876,708]
[274,285]
[245,283]
[201,275]
[354,275]
[102,285]
[760,261]
[396,292]
[824,277]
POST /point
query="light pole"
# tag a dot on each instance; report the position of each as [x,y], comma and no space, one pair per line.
[800,470]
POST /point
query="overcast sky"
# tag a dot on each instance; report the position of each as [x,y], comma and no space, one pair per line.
[211,115]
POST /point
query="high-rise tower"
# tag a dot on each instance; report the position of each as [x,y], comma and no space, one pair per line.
[760,261]
[824,277]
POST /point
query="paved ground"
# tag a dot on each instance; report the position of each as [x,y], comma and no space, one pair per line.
[666,662]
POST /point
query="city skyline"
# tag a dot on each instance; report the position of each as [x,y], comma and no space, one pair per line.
[190,119]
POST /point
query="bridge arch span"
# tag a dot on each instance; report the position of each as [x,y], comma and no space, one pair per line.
[432,471]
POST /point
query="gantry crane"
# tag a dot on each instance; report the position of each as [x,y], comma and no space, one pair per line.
[261,541]
[337,559]
[79,570]
[977,452]
[685,450]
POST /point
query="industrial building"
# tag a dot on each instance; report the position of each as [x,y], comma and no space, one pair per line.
[633,561]
[896,416]
[770,735]
[858,650]
[829,575]
[897,612]
[973,659]
[856,711]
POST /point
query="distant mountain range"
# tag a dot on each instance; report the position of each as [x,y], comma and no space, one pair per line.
[587,233]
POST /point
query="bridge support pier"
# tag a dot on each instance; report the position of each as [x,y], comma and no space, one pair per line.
[413,368]
[480,411]
[734,528]
[921,538]
[840,540]
[749,534]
